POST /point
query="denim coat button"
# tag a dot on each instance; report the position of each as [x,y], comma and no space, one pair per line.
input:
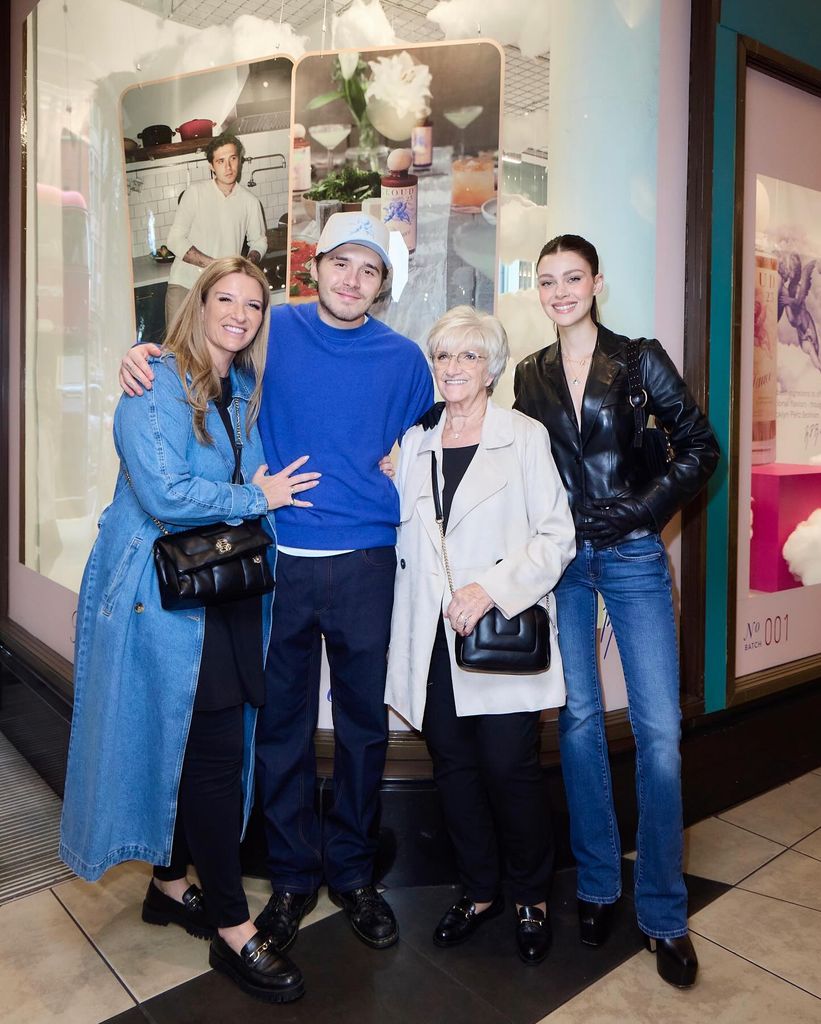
[139,607]
[402,562]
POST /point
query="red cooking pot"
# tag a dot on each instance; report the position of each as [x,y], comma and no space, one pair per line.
[197,129]
[156,135]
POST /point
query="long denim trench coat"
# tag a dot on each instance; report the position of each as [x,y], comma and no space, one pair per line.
[136,665]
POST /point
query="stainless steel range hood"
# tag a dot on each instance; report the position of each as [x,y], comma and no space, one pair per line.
[264,104]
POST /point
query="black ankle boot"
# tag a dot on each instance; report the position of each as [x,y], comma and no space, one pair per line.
[594,922]
[676,960]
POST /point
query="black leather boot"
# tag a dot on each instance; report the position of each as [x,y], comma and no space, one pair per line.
[676,960]
[594,922]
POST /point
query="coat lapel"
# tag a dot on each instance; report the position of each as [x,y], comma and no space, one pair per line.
[554,376]
[418,493]
[482,478]
[603,370]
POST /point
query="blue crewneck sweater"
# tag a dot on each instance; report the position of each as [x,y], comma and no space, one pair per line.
[343,397]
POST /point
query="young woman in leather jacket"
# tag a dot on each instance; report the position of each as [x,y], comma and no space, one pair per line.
[578,388]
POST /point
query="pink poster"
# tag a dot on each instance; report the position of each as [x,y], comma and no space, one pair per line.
[779,453]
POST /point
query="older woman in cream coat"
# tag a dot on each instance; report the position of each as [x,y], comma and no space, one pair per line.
[509,535]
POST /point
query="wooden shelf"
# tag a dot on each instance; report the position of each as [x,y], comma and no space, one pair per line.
[169,149]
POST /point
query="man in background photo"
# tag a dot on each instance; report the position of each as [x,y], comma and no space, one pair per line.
[214,218]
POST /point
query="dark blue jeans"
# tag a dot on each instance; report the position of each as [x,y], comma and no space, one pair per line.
[634,581]
[348,599]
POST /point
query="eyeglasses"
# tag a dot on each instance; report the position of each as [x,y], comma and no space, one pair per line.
[462,358]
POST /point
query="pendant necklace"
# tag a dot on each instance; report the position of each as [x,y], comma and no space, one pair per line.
[581,363]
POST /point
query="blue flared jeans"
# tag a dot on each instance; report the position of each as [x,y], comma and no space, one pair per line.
[634,581]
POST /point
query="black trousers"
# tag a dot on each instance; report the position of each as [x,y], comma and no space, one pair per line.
[209,814]
[347,599]
[488,774]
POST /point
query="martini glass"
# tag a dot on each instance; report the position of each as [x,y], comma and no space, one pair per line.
[329,136]
[461,117]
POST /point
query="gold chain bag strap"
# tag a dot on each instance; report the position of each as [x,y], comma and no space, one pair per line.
[215,563]
[517,646]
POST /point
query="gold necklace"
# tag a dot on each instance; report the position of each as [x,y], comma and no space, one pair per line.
[581,363]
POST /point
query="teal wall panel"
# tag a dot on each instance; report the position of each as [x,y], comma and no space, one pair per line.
[790,26]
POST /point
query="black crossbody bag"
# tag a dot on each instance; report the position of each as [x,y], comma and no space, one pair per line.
[517,646]
[654,442]
[216,563]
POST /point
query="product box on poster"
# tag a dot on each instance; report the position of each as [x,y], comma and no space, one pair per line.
[784,494]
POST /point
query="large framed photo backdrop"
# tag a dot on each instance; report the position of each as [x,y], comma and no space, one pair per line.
[775,583]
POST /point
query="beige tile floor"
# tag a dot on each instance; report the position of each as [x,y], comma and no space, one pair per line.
[78,954]
[101,959]
[759,945]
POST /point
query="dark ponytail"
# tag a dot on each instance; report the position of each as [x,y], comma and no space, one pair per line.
[585,249]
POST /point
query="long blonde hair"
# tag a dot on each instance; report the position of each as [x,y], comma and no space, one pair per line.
[185,340]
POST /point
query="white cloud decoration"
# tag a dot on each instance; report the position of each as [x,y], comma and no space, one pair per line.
[522,23]
[802,550]
[522,228]
[362,26]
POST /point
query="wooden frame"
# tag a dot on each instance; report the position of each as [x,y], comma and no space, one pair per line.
[739,29]
[752,54]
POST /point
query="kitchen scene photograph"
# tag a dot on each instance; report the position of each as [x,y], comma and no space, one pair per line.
[206,159]
[409,135]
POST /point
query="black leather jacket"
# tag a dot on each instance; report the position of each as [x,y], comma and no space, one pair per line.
[599,461]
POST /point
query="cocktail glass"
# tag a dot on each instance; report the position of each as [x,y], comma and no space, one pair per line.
[473,182]
[461,117]
[329,136]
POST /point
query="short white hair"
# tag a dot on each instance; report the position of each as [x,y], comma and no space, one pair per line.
[482,331]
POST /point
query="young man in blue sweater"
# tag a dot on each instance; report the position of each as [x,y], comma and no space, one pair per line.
[341,387]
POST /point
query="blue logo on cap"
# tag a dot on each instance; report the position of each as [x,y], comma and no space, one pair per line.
[364,227]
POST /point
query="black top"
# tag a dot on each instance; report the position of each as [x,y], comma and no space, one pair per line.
[231,670]
[455,462]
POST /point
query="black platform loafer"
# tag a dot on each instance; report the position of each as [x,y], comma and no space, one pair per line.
[370,916]
[282,914]
[676,960]
[594,922]
[190,914]
[462,919]
[259,969]
[533,934]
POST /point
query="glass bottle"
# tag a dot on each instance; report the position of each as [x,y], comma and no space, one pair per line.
[422,144]
[400,196]
[300,160]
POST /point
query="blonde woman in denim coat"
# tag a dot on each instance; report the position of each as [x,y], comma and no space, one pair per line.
[161,754]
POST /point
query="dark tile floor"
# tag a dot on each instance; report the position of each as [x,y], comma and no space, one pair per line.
[482,980]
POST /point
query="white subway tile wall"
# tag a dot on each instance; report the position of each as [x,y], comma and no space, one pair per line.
[157,190]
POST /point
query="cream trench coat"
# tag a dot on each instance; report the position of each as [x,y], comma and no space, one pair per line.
[509,529]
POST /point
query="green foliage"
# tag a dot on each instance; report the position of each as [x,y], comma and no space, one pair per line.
[347,185]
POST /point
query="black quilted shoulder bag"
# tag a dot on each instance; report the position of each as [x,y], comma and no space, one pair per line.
[656,451]
[517,646]
[216,563]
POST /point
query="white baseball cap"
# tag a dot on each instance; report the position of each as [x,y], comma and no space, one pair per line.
[362,229]
[358,228]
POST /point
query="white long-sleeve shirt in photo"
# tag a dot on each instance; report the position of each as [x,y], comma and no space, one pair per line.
[215,224]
